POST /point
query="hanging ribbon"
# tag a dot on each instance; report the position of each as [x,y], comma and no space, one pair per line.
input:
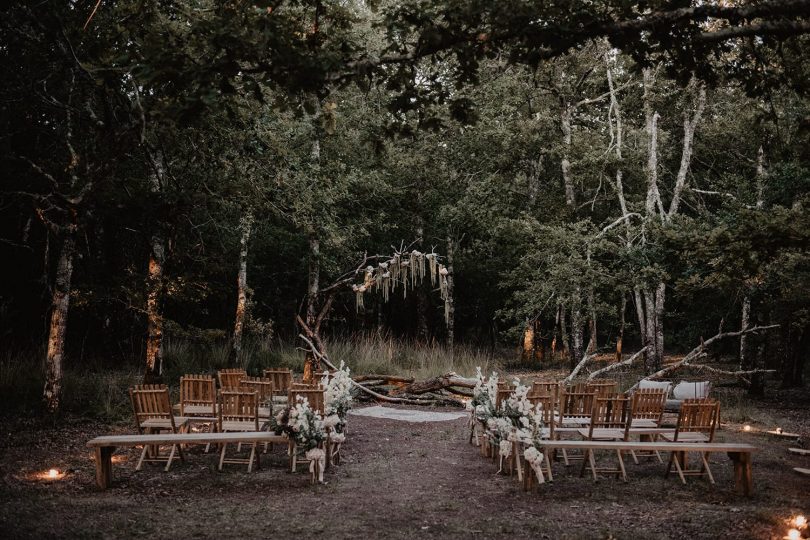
[316,455]
[504,451]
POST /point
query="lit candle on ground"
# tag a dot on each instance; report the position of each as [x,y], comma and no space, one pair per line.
[746,427]
[794,534]
[799,522]
[53,473]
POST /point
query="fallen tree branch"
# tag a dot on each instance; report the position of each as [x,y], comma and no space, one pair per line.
[585,359]
[381,397]
[617,365]
[699,351]
[391,379]
[434,384]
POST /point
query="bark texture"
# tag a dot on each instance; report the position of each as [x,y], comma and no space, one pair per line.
[245,225]
[59,318]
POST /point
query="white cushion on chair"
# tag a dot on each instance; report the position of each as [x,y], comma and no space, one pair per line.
[691,390]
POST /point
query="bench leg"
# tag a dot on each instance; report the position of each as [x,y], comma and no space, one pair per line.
[104,466]
[743,472]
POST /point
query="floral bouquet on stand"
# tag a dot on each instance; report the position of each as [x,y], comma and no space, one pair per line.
[337,398]
[304,426]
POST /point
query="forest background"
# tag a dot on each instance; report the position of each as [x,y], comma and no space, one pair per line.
[182,179]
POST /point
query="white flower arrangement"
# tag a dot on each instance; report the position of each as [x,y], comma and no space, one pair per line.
[304,425]
[337,397]
[482,404]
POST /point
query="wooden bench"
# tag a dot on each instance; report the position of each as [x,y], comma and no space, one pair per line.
[739,453]
[105,446]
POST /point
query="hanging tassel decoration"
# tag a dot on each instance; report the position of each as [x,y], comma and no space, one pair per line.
[431,257]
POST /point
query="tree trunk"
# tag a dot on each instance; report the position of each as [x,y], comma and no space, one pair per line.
[312,363]
[650,361]
[798,348]
[539,343]
[745,320]
[568,183]
[660,295]
[576,334]
[59,318]
[689,126]
[154,311]
[155,287]
[638,300]
[528,342]
[566,349]
[592,337]
[620,337]
[451,308]
[246,223]
[653,200]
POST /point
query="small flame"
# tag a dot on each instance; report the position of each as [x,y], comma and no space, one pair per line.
[53,473]
[799,522]
[746,427]
[794,534]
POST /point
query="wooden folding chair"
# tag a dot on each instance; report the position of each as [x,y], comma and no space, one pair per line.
[238,412]
[315,398]
[697,422]
[646,412]
[281,380]
[602,387]
[610,421]
[576,409]
[264,388]
[153,414]
[548,414]
[545,387]
[198,401]
[229,378]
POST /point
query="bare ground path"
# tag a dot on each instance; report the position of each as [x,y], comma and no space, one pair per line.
[398,480]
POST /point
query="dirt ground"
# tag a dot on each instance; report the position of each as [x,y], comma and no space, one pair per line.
[397,480]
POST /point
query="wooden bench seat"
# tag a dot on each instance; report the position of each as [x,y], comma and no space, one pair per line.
[105,446]
[739,453]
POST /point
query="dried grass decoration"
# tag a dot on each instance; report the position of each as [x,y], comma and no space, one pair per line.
[407,268]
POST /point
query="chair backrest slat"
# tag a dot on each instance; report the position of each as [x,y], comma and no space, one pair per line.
[577,404]
[648,404]
[698,416]
[603,387]
[313,395]
[237,405]
[199,391]
[261,385]
[611,412]
[229,378]
[151,402]
[282,378]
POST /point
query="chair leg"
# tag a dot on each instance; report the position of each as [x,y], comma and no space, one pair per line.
[222,455]
[635,459]
[680,470]
[621,465]
[669,465]
[548,467]
[171,458]
[708,470]
[252,457]
[143,456]
[592,460]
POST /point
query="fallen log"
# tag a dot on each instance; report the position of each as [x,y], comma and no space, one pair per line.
[434,384]
[389,379]
[401,399]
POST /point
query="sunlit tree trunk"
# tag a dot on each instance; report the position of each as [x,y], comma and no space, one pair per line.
[528,342]
[59,318]
[746,303]
[566,349]
[155,289]
[245,225]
